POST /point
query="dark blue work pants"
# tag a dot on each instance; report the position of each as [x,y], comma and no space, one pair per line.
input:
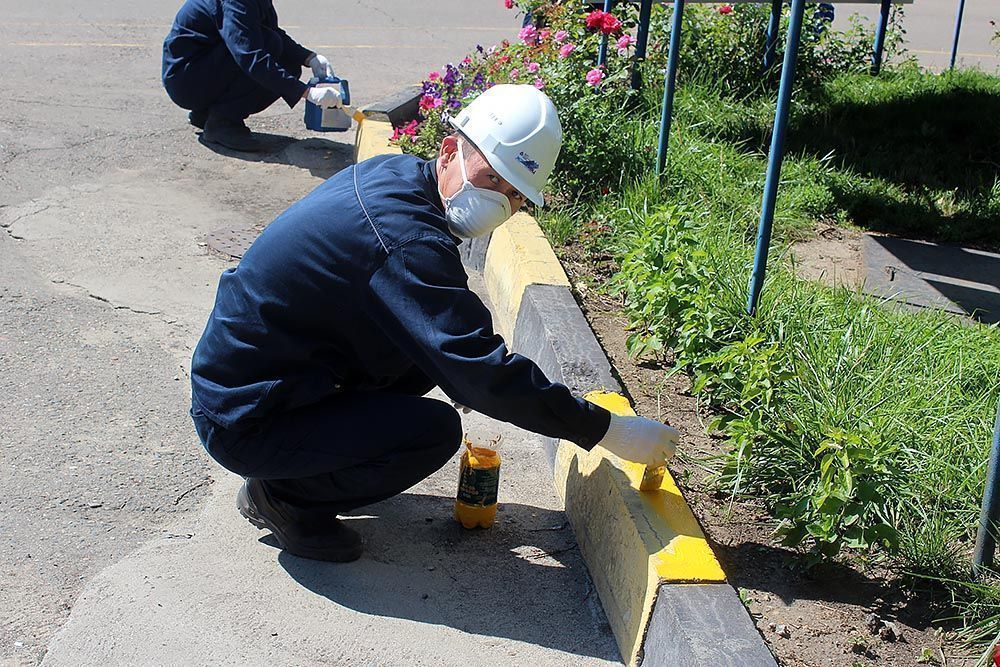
[215,83]
[348,451]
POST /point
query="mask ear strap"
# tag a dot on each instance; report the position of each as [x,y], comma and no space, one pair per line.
[461,162]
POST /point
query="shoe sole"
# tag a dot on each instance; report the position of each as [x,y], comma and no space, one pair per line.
[262,523]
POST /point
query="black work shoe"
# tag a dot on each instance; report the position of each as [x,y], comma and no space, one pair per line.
[198,118]
[319,539]
[231,134]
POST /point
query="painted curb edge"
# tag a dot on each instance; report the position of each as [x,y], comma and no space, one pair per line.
[662,589]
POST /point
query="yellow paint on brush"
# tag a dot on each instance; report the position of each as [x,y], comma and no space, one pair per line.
[632,541]
[518,256]
[373,139]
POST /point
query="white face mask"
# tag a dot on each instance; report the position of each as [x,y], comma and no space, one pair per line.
[473,211]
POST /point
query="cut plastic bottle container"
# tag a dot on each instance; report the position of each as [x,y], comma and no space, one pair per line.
[478,484]
[318,119]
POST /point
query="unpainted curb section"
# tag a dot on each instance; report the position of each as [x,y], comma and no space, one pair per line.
[662,589]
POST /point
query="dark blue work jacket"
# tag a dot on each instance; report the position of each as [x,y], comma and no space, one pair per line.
[352,287]
[244,27]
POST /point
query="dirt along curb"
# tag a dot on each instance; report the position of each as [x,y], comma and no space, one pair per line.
[662,588]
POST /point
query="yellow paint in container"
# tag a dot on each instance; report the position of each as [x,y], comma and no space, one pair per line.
[478,484]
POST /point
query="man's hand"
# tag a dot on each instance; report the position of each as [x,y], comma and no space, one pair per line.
[461,408]
[321,67]
[326,96]
[640,439]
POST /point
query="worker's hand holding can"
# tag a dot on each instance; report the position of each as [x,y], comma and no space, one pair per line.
[640,439]
[320,66]
[325,95]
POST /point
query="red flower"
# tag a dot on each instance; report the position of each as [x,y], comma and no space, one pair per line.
[595,19]
[611,25]
[726,9]
[996,656]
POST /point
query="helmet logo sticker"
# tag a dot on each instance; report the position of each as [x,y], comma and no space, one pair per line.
[530,164]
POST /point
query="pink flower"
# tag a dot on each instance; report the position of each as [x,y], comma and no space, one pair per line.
[726,9]
[434,76]
[509,4]
[560,36]
[528,34]
[566,49]
[594,77]
[543,35]
[514,73]
[430,102]
[466,61]
[539,84]
[624,42]
[410,128]
[533,67]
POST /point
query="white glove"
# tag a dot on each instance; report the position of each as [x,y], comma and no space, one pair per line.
[327,97]
[461,408]
[321,67]
[640,439]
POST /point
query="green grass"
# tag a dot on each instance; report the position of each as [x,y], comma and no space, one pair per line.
[907,153]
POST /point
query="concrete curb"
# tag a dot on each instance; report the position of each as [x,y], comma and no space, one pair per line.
[662,589]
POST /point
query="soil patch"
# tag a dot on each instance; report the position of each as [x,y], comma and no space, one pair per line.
[835,615]
[832,256]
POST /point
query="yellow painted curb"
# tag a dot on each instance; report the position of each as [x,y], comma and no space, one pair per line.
[518,255]
[373,138]
[631,540]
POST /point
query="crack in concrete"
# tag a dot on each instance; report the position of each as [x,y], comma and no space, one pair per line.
[115,306]
[8,225]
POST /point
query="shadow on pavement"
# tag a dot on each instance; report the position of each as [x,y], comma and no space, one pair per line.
[523,579]
[322,157]
[922,273]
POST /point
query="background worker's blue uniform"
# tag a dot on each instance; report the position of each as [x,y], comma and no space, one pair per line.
[229,57]
[349,307]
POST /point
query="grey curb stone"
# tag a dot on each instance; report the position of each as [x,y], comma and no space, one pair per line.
[397,108]
[702,624]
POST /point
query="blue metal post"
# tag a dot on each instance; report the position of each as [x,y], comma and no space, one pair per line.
[776,154]
[771,38]
[879,47]
[602,54]
[641,38]
[669,85]
[958,30]
[986,538]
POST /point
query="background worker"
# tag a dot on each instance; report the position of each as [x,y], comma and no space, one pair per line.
[309,379]
[227,59]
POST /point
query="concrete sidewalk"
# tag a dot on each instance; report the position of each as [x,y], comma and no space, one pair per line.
[426,592]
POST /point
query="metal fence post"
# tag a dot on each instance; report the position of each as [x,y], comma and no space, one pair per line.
[771,37]
[669,85]
[958,30]
[602,53]
[879,47]
[776,154]
[642,38]
[989,516]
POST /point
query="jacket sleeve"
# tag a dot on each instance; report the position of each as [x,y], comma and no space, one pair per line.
[247,38]
[421,300]
[293,48]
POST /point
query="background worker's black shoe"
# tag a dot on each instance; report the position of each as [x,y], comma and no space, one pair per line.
[325,538]
[198,118]
[231,134]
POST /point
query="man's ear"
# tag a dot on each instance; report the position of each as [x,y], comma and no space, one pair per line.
[449,149]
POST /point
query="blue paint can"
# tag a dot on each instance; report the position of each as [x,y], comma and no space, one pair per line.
[319,119]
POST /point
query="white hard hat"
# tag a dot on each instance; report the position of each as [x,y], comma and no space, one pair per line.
[517,129]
